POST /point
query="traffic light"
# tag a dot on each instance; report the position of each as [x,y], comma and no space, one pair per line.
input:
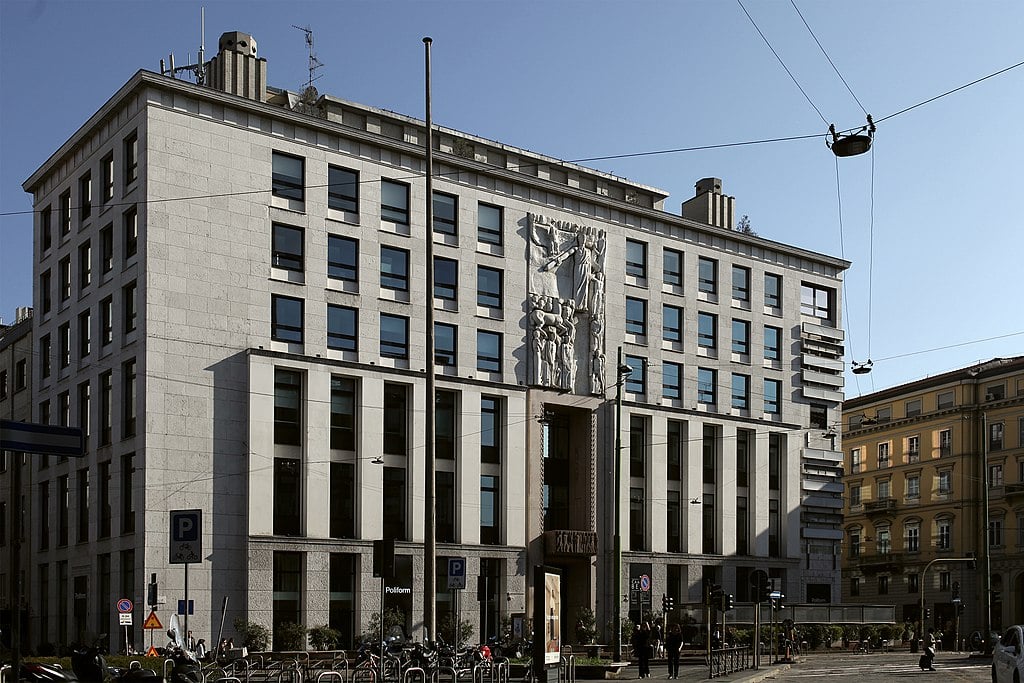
[728,602]
[667,603]
[961,608]
[715,594]
[152,591]
[927,613]
[956,590]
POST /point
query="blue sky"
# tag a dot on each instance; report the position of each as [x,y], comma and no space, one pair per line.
[930,220]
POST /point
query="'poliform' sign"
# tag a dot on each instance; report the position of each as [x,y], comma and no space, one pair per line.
[397,590]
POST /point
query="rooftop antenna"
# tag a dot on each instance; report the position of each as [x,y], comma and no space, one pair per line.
[198,69]
[314,63]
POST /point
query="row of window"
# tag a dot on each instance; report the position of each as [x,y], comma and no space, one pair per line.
[343,195]
[943,401]
[943,447]
[85,198]
[707,329]
[67,277]
[912,489]
[741,396]
[943,537]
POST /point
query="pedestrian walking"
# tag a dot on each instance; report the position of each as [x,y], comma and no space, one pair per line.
[673,643]
[929,651]
[642,649]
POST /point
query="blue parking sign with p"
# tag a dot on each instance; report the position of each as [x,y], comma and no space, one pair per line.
[186,536]
[456,573]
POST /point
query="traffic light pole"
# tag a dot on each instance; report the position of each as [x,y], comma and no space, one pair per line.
[924,584]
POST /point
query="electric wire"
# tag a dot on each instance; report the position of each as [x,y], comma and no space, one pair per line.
[765,39]
[842,254]
[871,259]
[822,48]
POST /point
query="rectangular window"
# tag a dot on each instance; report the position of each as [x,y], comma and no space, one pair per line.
[774,529]
[672,324]
[772,343]
[65,213]
[343,189]
[883,585]
[854,586]
[84,265]
[709,537]
[707,324]
[945,534]
[672,267]
[637,519]
[445,213]
[394,503]
[128,396]
[107,321]
[342,328]
[673,522]
[84,409]
[395,419]
[884,489]
[104,513]
[742,526]
[63,510]
[488,351]
[740,283]
[44,363]
[85,197]
[775,446]
[995,436]
[740,391]
[913,538]
[394,336]
[945,442]
[83,505]
[913,448]
[107,248]
[342,258]
[131,158]
[636,316]
[445,411]
[741,337]
[287,247]
[819,416]
[817,301]
[489,288]
[131,233]
[129,307]
[107,168]
[343,500]
[772,394]
[288,177]
[444,514]
[490,429]
[489,224]
[106,423]
[287,497]
[913,486]
[64,347]
[64,270]
[706,386]
[490,510]
[45,229]
[445,344]
[855,495]
[945,485]
[744,438]
[675,450]
[995,475]
[672,381]
[286,319]
[45,296]
[44,515]
[637,446]
[64,408]
[707,275]
[856,460]
[343,413]
[394,269]
[128,493]
[636,381]
[84,333]
[883,455]
[636,259]
[287,407]
[394,202]
[772,290]
[446,279]
[913,408]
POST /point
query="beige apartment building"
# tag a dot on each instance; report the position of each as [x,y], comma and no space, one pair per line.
[928,466]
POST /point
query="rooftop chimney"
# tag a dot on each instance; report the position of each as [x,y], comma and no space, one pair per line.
[710,206]
[236,69]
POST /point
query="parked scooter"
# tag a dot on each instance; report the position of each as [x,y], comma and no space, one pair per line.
[34,672]
[90,666]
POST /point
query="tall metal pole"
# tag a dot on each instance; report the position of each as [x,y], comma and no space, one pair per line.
[987,560]
[16,522]
[429,528]
[617,537]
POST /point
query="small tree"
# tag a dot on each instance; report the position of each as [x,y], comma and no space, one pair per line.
[393,616]
[255,637]
[586,626]
[446,628]
[324,637]
[290,636]
[743,225]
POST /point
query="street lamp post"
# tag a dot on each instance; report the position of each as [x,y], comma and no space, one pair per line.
[623,372]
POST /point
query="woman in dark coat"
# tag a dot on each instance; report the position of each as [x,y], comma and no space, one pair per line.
[642,649]
[673,643]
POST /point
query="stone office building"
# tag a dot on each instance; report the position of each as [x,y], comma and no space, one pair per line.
[230,298]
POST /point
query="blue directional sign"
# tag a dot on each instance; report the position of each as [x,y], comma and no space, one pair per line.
[186,536]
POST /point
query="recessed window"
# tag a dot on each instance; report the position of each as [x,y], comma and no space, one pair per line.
[740,283]
[343,413]
[286,319]
[85,197]
[706,386]
[131,158]
[107,321]
[342,328]
[817,301]
[772,343]
[490,429]
[287,407]
[488,351]
[21,374]
[45,295]
[342,189]
[740,391]
[342,258]
[65,278]
[913,408]
[489,225]
[45,229]
[672,323]
[706,330]
[945,399]
[445,344]
[741,337]
[772,391]
[445,213]
[394,269]
[65,213]
[446,279]
[287,247]
[84,265]
[288,181]
[772,290]
[489,288]
[636,259]
[107,248]
[707,275]
[394,202]
[107,167]
[394,336]
[636,380]
[636,316]
[672,380]
[131,233]
[44,359]
[84,333]
[672,267]
[129,307]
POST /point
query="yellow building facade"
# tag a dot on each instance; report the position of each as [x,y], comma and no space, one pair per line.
[928,467]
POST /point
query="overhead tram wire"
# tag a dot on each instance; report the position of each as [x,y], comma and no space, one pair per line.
[822,48]
[842,254]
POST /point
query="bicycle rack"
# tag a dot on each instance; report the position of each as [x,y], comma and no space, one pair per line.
[368,674]
[414,673]
[330,675]
[567,670]
[5,673]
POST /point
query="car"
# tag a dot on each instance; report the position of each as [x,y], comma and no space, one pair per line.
[1008,656]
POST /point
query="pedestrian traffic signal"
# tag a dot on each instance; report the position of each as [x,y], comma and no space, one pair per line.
[728,602]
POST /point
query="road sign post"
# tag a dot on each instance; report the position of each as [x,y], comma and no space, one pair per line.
[186,543]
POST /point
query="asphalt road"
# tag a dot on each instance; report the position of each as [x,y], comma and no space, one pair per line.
[879,667]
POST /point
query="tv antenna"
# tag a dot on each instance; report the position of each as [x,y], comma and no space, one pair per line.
[314,63]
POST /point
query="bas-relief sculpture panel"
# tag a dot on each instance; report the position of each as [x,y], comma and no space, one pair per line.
[566,318]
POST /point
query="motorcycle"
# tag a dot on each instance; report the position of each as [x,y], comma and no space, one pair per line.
[90,666]
[34,672]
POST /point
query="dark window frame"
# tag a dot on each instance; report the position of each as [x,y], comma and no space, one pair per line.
[282,330]
[345,337]
[285,184]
